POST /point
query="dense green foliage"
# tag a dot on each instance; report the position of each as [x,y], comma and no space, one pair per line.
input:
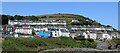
[116,40]
[90,40]
[4,19]
[33,44]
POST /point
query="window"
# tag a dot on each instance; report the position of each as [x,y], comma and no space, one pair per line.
[55,34]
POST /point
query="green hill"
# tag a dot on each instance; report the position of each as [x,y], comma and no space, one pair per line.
[67,17]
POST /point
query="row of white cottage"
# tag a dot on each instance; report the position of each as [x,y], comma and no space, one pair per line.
[57,32]
[97,35]
[13,22]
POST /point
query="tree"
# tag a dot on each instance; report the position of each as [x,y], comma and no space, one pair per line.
[75,23]
[87,23]
[18,17]
[90,40]
[4,19]
[116,40]
[109,26]
[34,18]
[10,17]
[33,33]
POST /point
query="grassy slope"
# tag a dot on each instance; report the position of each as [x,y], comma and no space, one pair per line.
[32,44]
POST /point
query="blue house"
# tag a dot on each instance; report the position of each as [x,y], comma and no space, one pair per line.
[44,34]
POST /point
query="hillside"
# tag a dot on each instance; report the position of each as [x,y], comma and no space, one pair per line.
[64,17]
[67,17]
[33,44]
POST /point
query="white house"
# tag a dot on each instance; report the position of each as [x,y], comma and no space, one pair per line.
[91,35]
[84,34]
[95,35]
[23,30]
[56,32]
[114,34]
[18,22]
[106,36]
[99,35]
[75,21]
[40,29]
[16,35]
[65,33]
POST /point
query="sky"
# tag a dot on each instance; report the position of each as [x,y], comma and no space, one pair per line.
[104,12]
[59,0]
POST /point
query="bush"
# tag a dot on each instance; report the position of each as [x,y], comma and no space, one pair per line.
[93,45]
[116,40]
[79,38]
[90,40]
[88,44]
[32,44]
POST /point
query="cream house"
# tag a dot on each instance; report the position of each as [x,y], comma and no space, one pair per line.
[23,30]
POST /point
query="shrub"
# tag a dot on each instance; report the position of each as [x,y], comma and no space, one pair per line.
[116,40]
[90,40]
[79,38]
[28,44]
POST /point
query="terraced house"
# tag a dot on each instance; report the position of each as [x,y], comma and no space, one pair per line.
[56,25]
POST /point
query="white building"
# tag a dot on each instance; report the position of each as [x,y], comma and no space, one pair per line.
[95,35]
[56,32]
[65,32]
[106,36]
[114,34]
[99,35]
[23,30]
[91,28]
[75,21]
[13,22]
[91,35]
[40,29]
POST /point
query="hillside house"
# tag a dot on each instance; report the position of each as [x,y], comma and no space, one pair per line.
[18,22]
[10,29]
[23,30]
[94,35]
[65,32]
[99,35]
[53,32]
[114,34]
